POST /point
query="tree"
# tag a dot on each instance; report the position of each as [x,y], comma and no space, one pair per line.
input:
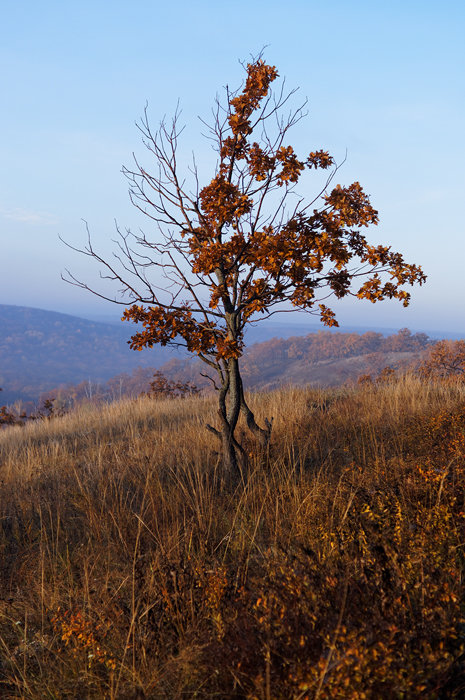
[164,388]
[243,246]
[445,359]
[8,417]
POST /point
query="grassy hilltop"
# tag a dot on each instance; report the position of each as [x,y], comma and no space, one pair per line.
[132,567]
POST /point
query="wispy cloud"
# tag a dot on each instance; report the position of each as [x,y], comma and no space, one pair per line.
[28,217]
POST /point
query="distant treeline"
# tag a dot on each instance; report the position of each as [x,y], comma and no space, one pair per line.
[325,345]
[265,363]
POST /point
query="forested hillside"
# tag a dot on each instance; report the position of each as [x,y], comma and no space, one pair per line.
[320,359]
[41,349]
[47,353]
[329,359]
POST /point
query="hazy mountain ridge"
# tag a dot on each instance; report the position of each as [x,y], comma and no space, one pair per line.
[321,359]
[41,349]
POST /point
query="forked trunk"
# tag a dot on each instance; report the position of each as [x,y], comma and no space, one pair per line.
[229,413]
[231,404]
[231,460]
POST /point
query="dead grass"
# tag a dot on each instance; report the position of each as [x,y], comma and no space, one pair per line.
[133,567]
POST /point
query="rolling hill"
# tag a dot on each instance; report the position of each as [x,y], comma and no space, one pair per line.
[41,349]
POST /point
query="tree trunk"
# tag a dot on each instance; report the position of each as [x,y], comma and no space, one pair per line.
[231,448]
[231,403]
[229,406]
[262,434]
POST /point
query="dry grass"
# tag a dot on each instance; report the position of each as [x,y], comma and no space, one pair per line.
[133,567]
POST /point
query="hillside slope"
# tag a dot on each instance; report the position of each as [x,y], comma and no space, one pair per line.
[41,349]
[133,566]
[320,359]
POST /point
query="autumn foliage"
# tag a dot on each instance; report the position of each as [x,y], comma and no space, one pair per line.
[9,416]
[262,264]
[161,387]
[445,360]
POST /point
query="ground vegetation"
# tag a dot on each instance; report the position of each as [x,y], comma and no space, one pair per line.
[133,568]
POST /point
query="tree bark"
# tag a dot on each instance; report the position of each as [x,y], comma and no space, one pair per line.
[231,447]
[231,404]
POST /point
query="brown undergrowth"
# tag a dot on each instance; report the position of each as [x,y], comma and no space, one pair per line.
[132,567]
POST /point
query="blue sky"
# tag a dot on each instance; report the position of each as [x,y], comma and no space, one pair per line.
[384,82]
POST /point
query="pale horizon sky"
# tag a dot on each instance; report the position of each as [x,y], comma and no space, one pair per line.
[384,82]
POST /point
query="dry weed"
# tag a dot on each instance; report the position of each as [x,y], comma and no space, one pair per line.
[134,568]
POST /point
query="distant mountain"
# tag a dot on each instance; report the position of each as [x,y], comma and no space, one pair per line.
[43,350]
[300,324]
[40,350]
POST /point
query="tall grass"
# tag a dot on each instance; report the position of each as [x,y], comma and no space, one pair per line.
[134,567]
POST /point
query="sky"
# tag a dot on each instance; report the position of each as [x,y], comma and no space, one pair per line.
[384,82]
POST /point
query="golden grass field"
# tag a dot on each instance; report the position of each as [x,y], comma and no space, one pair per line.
[134,567]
